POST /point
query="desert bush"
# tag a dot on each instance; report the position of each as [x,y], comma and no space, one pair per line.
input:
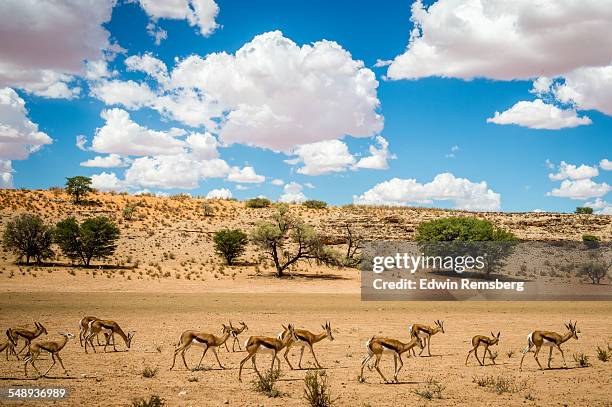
[594,271]
[581,359]
[207,209]
[584,210]
[499,384]
[149,372]
[317,390]
[128,211]
[590,238]
[154,401]
[286,240]
[230,244]
[78,187]
[266,384]
[432,391]
[466,236]
[94,238]
[28,237]
[258,203]
[314,204]
[603,354]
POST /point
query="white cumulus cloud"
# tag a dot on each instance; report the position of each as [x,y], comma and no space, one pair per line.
[464,193]
[292,193]
[46,42]
[600,206]
[322,157]
[538,114]
[605,164]
[504,39]
[221,193]
[379,156]
[109,161]
[131,94]
[573,172]
[246,175]
[580,189]
[6,174]
[19,136]
[198,13]
[107,181]
[121,135]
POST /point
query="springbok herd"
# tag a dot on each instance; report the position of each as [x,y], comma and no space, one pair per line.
[420,336]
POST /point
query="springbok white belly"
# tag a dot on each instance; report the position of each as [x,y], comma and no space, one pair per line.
[546,342]
[422,334]
[265,351]
[196,342]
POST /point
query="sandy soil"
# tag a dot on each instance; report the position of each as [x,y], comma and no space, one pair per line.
[115,378]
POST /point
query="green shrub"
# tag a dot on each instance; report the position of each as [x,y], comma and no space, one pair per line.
[154,401]
[314,204]
[230,244]
[258,203]
[28,237]
[499,384]
[265,384]
[590,238]
[149,372]
[317,391]
[584,210]
[94,238]
[466,236]
[603,354]
[78,187]
[581,359]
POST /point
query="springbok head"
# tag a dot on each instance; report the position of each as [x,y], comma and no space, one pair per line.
[328,330]
[495,338]
[440,324]
[572,328]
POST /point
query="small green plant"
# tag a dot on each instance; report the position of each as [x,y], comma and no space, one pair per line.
[207,209]
[314,204]
[154,401]
[432,391]
[510,353]
[192,379]
[603,354]
[590,238]
[317,391]
[499,384]
[584,210]
[258,203]
[581,360]
[149,372]
[266,384]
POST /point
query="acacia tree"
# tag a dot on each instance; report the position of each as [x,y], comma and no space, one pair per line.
[286,239]
[28,237]
[94,238]
[78,187]
[230,244]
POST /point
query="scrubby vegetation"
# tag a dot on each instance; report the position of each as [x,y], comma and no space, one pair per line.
[317,391]
[28,237]
[78,187]
[230,244]
[266,384]
[153,401]
[314,204]
[258,203]
[584,210]
[286,240]
[93,238]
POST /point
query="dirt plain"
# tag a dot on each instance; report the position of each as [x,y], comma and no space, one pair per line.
[165,279]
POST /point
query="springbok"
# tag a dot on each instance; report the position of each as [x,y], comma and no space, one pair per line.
[265,344]
[8,346]
[26,334]
[206,340]
[307,339]
[99,325]
[481,340]
[377,346]
[236,332]
[550,339]
[52,347]
[425,332]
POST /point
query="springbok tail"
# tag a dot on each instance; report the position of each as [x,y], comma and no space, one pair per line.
[529,343]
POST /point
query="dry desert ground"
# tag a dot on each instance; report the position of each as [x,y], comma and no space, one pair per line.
[165,278]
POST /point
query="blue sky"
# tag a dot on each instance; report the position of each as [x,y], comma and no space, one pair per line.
[432,111]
